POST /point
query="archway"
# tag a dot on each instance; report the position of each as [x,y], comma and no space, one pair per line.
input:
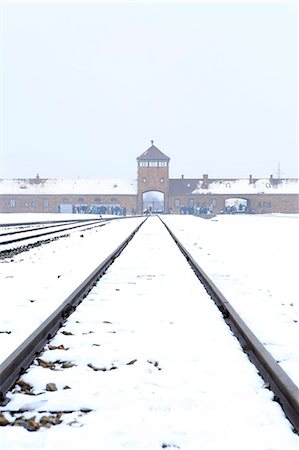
[153,201]
[236,205]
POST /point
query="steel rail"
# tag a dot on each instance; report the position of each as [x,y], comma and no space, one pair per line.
[286,393]
[16,363]
[19,224]
[12,241]
[44,227]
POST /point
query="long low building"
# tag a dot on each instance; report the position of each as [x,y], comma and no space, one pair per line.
[153,191]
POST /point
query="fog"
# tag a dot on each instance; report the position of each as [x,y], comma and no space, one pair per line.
[86,86]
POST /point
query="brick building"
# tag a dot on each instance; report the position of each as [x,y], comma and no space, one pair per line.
[152,190]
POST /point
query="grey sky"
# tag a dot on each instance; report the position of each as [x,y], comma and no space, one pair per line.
[86,86]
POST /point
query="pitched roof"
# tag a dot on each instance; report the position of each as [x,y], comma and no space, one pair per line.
[78,186]
[182,186]
[240,186]
[153,153]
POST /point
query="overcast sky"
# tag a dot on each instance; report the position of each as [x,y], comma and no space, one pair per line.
[86,86]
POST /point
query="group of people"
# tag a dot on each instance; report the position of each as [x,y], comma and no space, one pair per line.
[114,210]
[196,210]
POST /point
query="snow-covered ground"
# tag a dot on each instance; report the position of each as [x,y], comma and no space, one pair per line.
[180,380]
[164,317]
[35,283]
[253,260]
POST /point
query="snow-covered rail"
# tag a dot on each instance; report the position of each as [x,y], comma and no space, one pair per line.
[23,356]
[12,243]
[148,355]
[285,390]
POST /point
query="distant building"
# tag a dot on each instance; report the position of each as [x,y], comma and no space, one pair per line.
[153,191]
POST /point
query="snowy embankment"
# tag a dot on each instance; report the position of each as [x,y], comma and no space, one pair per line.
[180,379]
[253,260]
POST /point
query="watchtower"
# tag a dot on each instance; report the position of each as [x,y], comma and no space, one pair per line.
[153,181]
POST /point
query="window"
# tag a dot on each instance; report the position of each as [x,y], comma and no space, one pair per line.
[143,180]
[153,163]
[190,202]
[33,204]
[12,203]
[161,180]
[214,202]
[46,203]
[177,202]
[26,204]
[162,163]
[143,164]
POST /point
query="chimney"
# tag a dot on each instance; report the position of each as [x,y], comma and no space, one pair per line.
[271,179]
[250,179]
[205,180]
[152,142]
[182,177]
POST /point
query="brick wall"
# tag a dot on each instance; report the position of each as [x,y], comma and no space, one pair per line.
[260,203]
[150,179]
[37,203]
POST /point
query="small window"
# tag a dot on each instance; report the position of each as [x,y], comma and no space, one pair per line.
[33,204]
[177,202]
[190,202]
[214,202]
[12,203]
[143,180]
[46,203]
[161,180]
[26,204]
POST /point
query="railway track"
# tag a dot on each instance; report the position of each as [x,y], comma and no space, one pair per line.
[12,242]
[284,390]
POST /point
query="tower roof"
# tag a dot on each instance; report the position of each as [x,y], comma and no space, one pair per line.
[153,153]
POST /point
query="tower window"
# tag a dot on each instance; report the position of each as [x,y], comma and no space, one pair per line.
[161,180]
[143,180]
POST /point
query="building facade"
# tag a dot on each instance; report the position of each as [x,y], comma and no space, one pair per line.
[152,191]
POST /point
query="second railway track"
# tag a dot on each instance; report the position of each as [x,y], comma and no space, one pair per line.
[149,336]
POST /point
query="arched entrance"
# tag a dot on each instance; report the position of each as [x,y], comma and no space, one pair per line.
[236,205]
[153,201]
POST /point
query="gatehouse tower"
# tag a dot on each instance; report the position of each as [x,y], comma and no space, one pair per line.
[152,181]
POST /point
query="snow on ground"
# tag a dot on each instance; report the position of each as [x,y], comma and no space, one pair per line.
[35,283]
[149,307]
[253,260]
